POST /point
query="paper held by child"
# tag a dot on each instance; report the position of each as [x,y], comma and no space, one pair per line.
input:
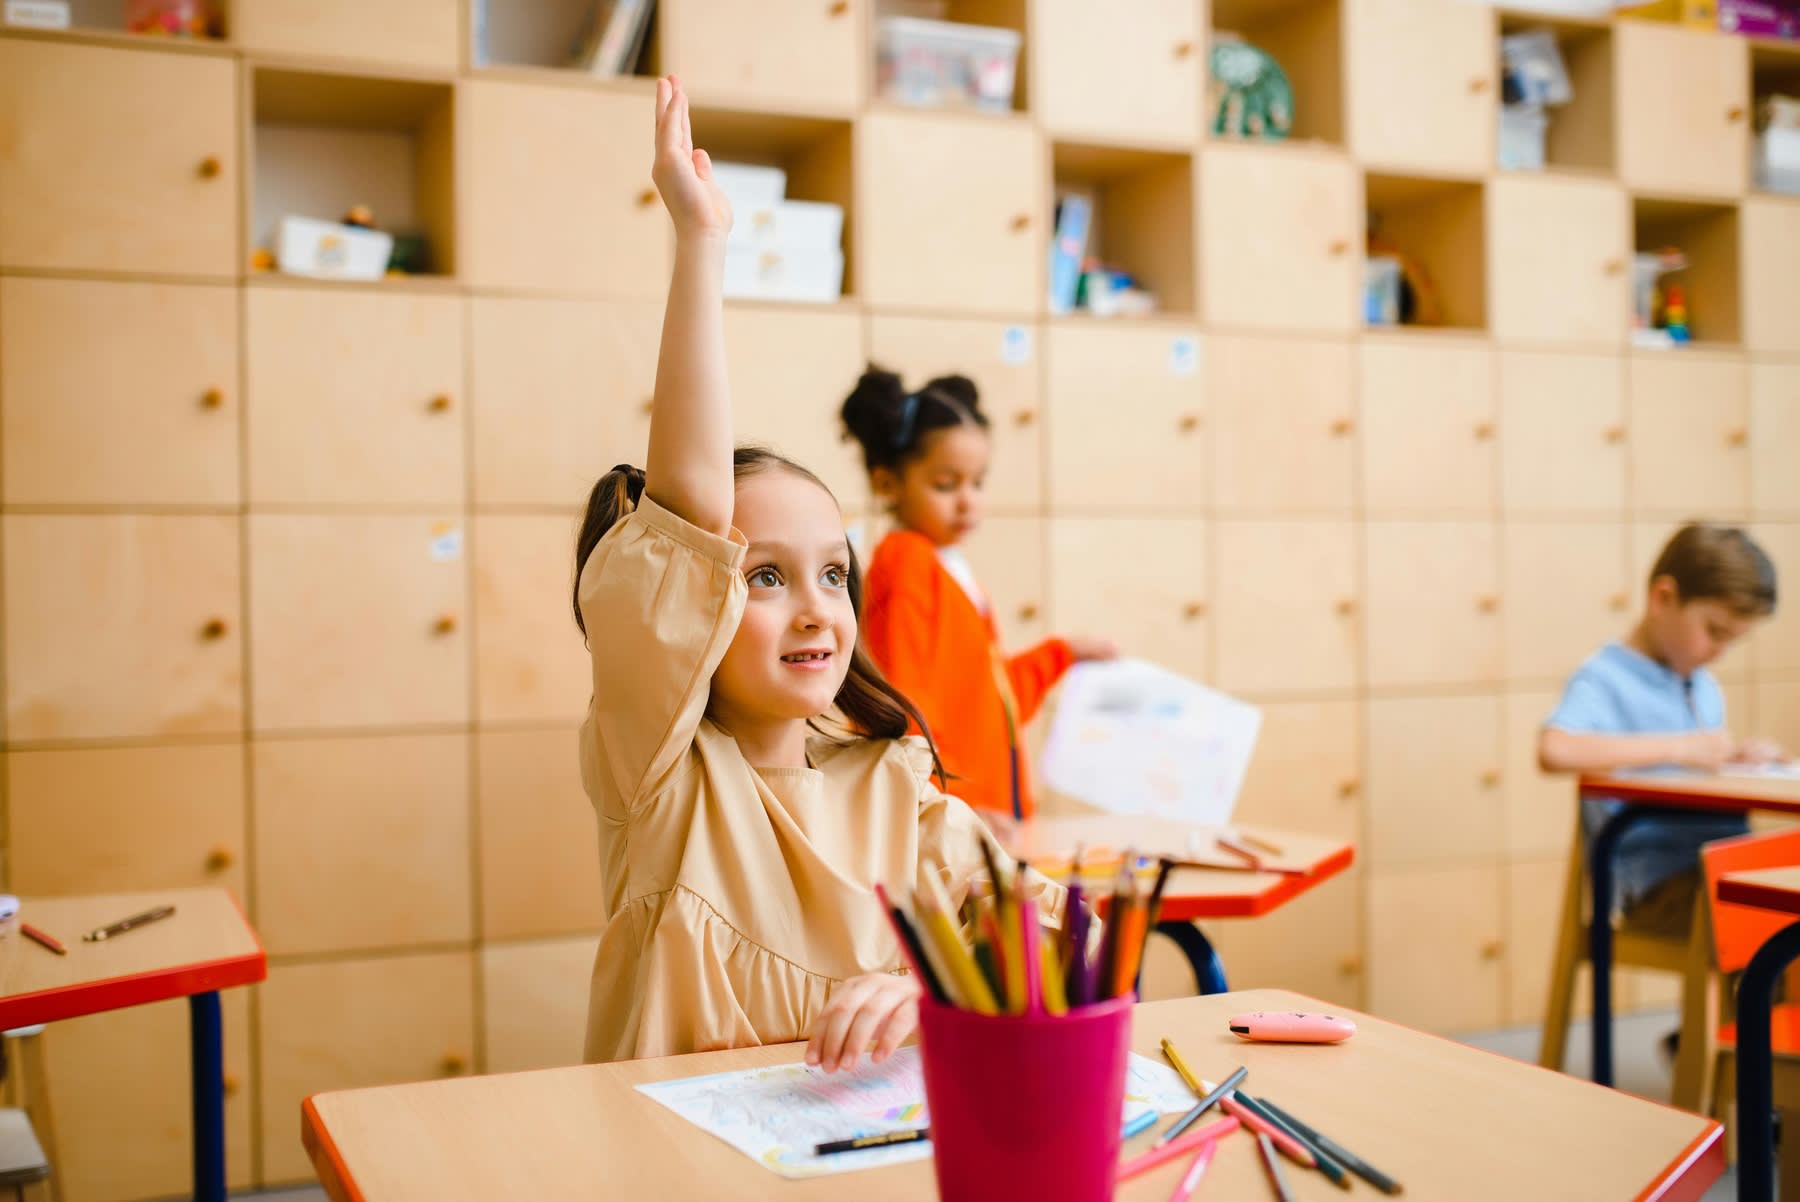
[777,1116]
[1133,738]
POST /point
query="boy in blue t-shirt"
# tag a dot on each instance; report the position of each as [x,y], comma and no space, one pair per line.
[1649,703]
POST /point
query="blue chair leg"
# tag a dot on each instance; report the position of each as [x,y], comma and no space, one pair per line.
[1202,957]
[206,1039]
[1755,1080]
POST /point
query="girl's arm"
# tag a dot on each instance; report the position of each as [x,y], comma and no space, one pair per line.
[689,468]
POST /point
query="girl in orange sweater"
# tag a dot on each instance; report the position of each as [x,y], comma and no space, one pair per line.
[926,620]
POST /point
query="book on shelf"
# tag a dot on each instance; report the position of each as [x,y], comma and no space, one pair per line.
[613,37]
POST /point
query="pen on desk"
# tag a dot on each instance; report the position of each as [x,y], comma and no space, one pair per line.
[886,1139]
[43,939]
[1343,1155]
[101,934]
[1274,1167]
[1206,1103]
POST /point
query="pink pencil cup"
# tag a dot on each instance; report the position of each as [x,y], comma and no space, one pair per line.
[1025,1105]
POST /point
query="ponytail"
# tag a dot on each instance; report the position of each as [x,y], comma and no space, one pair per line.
[890,423]
[612,498]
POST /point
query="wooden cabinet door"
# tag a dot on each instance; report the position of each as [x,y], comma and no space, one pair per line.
[1563,446]
[1770,259]
[1007,554]
[1434,603]
[1429,430]
[1283,425]
[1286,606]
[1003,360]
[1127,429]
[1138,581]
[1775,647]
[349,1024]
[539,214]
[118,1132]
[1534,897]
[398,33]
[539,870]
[1433,780]
[118,393]
[530,665]
[534,1002]
[1552,628]
[1437,951]
[1692,138]
[355,398]
[561,391]
[102,820]
[790,370]
[974,239]
[1280,238]
[1559,253]
[1421,84]
[1313,945]
[361,843]
[118,160]
[802,55]
[1690,433]
[122,626]
[360,622]
[1158,100]
[1540,807]
[1307,771]
[1774,434]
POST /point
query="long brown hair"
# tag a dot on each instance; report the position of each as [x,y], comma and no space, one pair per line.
[869,702]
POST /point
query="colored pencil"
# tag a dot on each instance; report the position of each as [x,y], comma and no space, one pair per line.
[1190,1181]
[1343,1155]
[996,949]
[911,948]
[1237,849]
[934,912]
[1056,997]
[1290,1147]
[1330,1168]
[1259,844]
[1180,1066]
[1076,920]
[1138,1125]
[43,938]
[1207,1102]
[1274,1168]
[1031,947]
[1145,1161]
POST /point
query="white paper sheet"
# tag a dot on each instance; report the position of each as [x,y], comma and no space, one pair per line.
[776,1116]
[1787,771]
[1133,738]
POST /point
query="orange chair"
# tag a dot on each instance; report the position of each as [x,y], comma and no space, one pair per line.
[1725,937]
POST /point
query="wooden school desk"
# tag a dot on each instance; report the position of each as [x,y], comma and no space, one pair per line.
[1193,894]
[1775,889]
[1645,796]
[205,946]
[1446,1121]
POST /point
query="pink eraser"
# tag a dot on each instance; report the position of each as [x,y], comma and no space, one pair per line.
[1288,1026]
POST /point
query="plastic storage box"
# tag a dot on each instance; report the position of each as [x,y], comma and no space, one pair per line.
[1522,129]
[937,64]
[304,246]
[812,274]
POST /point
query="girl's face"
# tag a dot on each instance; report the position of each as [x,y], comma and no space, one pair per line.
[793,646]
[940,492]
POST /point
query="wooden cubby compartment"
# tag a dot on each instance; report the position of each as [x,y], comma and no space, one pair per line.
[994,14]
[1306,38]
[325,142]
[1580,133]
[108,16]
[1707,233]
[1143,218]
[1439,226]
[1774,71]
[545,33]
[817,153]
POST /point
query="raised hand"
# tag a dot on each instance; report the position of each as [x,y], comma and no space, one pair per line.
[683,174]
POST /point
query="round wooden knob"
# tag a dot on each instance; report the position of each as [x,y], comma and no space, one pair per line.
[1028,612]
[1615,435]
[1350,966]
[1487,603]
[1024,417]
[1615,267]
[1193,610]
[1338,248]
[446,624]
[209,168]
[1021,222]
[1183,49]
[1189,423]
[1493,949]
[839,8]
[647,406]
[219,859]
[646,198]
[1618,603]
[1479,84]
[1737,438]
[231,1083]
[439,403]
[1342,427]
[214,629]
[454,1064]
[1484,431]
[1346,606]
[1734,114]
[212,398]
[1348,788]
[1490,778]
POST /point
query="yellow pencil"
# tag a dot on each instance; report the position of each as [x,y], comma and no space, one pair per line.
[1193,1082]
[936,911]
[1056,999]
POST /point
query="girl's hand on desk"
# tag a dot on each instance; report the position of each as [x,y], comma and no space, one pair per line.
[683,175]
[1085,647]
[877,1010]
[1759,751]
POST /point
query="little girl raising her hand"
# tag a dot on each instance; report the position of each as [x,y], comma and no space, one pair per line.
[750,767]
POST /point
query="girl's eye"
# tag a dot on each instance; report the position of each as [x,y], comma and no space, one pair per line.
[765,577]
[837,576]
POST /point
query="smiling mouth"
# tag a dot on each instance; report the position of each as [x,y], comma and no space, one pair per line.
[806,658]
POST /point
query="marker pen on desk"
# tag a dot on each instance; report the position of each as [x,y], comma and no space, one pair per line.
[102,934]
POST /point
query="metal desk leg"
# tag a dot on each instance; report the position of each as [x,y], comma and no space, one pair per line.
[1755,1081]
[206,1038]
[1209,970]
[1600,932]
